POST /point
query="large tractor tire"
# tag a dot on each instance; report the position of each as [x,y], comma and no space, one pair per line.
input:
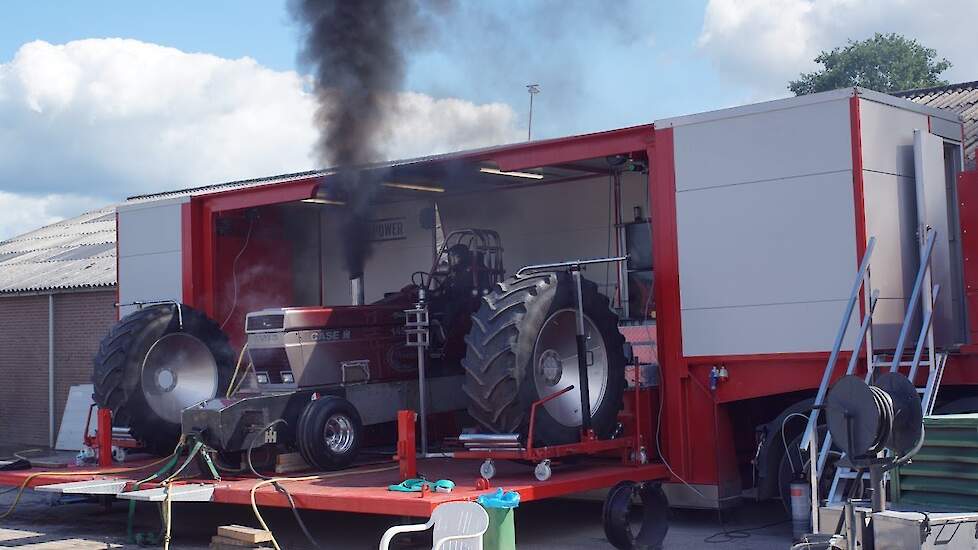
[522,348]
[151,366]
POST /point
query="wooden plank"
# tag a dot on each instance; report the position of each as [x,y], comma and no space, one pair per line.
[245,534]
[288,463]
[221,543]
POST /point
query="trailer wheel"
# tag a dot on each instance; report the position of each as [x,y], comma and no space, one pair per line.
[636,515]
[522,348]
[151,366]
[329,433]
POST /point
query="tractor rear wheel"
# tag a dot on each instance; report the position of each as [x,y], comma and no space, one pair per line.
[153,364]
[522,348]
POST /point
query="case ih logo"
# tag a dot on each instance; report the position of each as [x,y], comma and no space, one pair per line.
[387,229]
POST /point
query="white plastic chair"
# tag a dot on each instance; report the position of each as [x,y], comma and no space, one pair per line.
[458,526]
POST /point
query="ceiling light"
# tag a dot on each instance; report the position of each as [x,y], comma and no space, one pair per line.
[324,201]
[414,187]
[528,175]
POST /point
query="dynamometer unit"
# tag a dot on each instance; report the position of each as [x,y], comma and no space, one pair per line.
[743,229]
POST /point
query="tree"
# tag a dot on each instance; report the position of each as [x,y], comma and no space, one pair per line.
[885,63]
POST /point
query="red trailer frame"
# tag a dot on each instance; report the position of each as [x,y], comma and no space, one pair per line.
[694,416]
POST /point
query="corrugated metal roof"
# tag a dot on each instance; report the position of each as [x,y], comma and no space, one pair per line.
[959,98]
[74,253]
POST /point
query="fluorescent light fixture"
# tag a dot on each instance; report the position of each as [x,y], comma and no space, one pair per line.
[527,175]
[414,187]
[287,377]
[324,201]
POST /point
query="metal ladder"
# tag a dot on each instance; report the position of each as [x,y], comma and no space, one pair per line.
[925,295]
[928,393]
[925,340]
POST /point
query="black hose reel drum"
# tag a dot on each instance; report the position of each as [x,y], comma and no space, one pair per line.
[866,419]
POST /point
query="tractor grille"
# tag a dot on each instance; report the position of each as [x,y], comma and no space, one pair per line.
[272,321]
[274,361]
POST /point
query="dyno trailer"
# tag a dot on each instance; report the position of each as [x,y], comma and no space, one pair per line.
[743,226]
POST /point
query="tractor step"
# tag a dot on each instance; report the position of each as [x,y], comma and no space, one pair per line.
[90,487]
[193,492]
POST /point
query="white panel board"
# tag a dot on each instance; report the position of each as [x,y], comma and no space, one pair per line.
[71,433]
[777,328]
[887,137]
[932,204]
[780,241]
[149,228]
[150,277]
[787,142]
[946,129]
[150,259]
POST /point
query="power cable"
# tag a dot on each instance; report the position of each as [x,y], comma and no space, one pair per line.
[234,272]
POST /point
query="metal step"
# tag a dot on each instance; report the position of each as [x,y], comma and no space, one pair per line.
[90,487]
[192,492]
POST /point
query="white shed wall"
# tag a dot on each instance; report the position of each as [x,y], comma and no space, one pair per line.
[150,260]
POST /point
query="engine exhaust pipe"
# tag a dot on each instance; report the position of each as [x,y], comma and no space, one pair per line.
[356,291]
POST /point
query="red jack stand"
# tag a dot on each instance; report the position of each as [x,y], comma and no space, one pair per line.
[407,454]
[104,435]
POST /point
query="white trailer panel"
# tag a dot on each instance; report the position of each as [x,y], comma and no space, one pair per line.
[150,258]
[766,225]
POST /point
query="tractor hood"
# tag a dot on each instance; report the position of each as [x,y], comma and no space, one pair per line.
[316,347]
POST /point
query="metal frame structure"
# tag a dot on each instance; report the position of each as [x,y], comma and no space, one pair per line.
[692,416]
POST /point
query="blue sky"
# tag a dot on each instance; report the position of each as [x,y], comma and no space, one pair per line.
[596,71]
[102,99]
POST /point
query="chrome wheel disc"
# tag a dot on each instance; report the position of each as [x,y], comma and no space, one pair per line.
[339,434]
[178,371]
[555,366]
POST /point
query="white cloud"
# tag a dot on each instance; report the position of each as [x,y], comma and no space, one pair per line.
[23,213]
[762,44]
[110,118]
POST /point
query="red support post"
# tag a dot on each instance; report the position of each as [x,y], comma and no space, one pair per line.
[104,434]
[407,455]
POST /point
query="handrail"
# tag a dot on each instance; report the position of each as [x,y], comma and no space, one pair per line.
[924,331]
[914,298]
[823,453]
[837,346]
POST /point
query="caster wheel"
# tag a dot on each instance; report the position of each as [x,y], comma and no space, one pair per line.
[119,454]
[488,469]
[542,471]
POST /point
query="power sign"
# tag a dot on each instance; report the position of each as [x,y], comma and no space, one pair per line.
[386,229]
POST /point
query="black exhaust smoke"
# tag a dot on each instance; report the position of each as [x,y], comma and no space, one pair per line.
[355,48]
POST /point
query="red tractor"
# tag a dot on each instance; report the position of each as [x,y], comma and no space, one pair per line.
[319,379]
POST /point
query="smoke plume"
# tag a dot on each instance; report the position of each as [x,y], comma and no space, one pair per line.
[356,51]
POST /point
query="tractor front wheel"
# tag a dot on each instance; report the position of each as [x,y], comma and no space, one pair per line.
[329,433]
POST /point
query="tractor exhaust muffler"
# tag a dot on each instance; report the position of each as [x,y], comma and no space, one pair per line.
[356,291]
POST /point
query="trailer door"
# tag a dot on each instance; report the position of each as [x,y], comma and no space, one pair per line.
[933,190]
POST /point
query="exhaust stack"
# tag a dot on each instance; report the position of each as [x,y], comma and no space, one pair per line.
[356,291]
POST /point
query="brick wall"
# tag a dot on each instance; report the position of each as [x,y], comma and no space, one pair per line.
[81,319]
[24,370]
[80,322]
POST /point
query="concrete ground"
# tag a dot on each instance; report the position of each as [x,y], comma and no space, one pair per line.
[41,523]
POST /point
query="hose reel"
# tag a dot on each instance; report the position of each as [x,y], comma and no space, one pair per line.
[864,420]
